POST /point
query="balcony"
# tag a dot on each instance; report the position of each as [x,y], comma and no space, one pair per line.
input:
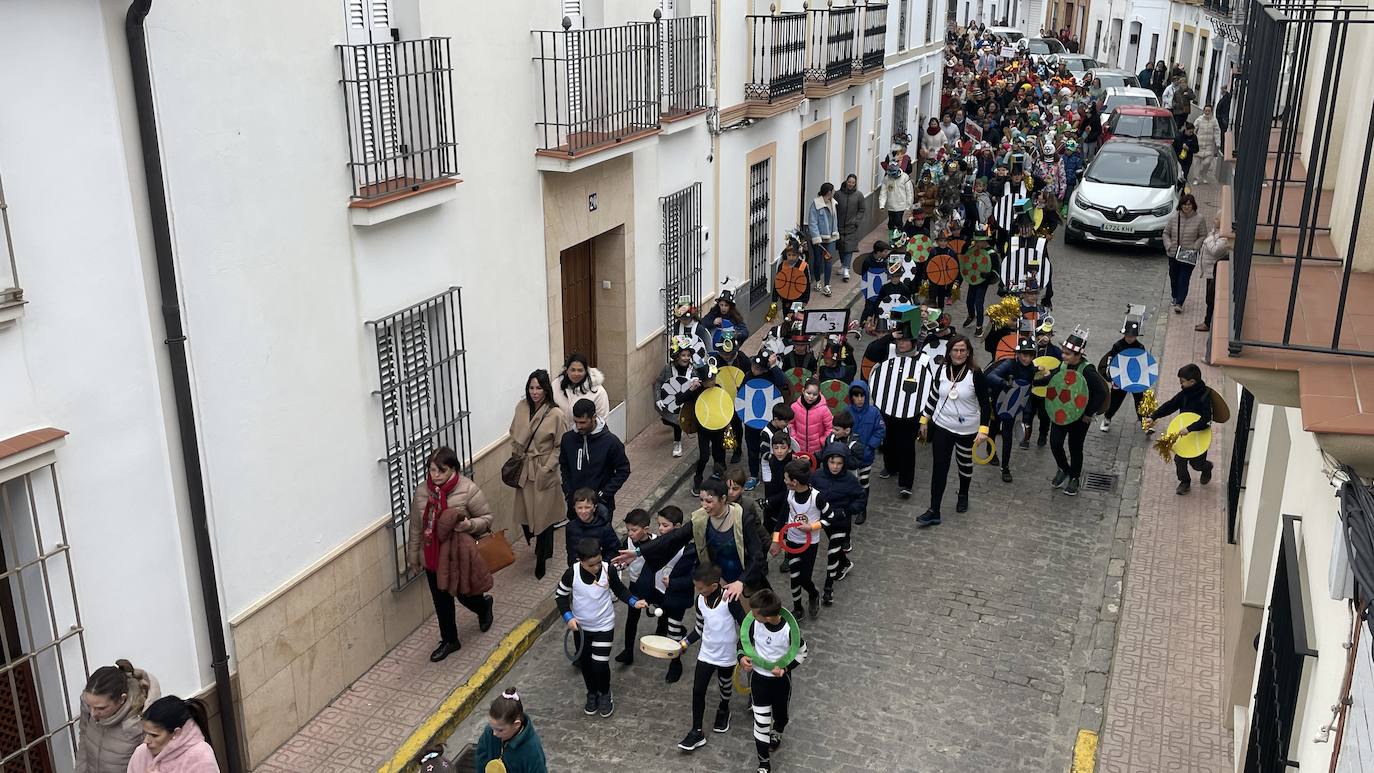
[683,48]
[832,40]
[398,101]
[874,46]
[777,58]
[1295,304]
[598,87]
[11,295]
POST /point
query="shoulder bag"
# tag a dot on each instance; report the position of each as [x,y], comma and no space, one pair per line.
[515,465]
[495,550]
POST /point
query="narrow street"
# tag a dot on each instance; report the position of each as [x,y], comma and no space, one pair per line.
[969,646]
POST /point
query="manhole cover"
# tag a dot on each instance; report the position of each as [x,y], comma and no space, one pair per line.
[1100,481]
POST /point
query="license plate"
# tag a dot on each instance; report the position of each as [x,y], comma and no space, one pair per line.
[1117,228]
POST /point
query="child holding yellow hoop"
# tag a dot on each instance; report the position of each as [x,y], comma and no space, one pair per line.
[1194,396]
[773,647]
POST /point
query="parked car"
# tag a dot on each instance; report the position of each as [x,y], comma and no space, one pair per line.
[1142,122]
[1010,34]
[1127,194]
[1078,64]
[1126,95]
[1112,77]
[1038,48]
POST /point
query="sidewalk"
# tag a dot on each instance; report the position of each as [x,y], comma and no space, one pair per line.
[364,726]
[1164,695]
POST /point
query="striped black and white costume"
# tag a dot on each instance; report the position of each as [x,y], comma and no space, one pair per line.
[717,629]
[805,507]
[1026,257]
[898,387]
[957,408]
[589,599]
[771,694]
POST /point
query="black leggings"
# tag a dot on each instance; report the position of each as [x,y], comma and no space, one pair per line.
[1075,433]
[769,703]
[1035,409]
[595,661]
[1007,427]
[710,443]
[799,569]
[943,443]
[444,610]
[899,450]
[701,682]
[1198,463]
[677,429]
[752,451]
[837,544]
[975,300]
[1119,397]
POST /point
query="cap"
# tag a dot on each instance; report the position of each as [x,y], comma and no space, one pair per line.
[881,246]
[759,361]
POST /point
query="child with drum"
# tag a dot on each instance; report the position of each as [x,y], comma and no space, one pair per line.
[717,629]
[1130,339]
[673,587]
[641,584]
[806,509]
[773,647]
[585,597]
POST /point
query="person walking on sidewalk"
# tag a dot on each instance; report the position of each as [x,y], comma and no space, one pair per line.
[591,456]
[895,196]
[1193,396]
[176,739]
[1182,103]
[534,434]
[1223,113]
[823,223]
[509,737]
[1216,247]
[955,419]
[447,515]
[850,207]
[1208,132]
[111,724]
[1186,147]
[1183,238]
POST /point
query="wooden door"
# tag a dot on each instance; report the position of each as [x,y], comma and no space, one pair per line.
[579,301]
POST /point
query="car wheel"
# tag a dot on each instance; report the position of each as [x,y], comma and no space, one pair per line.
[1071,236]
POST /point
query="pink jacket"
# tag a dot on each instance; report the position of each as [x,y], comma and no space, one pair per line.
[811,426]
[187,752]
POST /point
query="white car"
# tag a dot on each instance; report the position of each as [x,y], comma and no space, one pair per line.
[1078,64]
[1126,95]
[1126,195]
[1010,34]
[1039,48]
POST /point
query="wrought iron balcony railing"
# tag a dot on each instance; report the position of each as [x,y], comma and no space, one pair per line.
[777,56]
[598,86]
[874,37]
[398,99]
[682,46]
[832,40]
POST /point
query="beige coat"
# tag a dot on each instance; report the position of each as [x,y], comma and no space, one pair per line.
[1185,232]
[467,517]
[539,500]
[591,388]
[107,744]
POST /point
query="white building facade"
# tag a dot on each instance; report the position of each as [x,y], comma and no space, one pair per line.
[381,215]
[1127,33]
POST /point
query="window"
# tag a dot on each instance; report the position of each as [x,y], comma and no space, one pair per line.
[1154,47]
[930,21]
[422,373]
[10,293]
[681,248]
[398,99]
[901,107]
[1097,39]
[758,231]
[901,25]
[42,642]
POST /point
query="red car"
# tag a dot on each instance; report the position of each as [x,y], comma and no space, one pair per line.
[1141,122]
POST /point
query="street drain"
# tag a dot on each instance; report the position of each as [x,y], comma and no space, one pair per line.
[1100,481]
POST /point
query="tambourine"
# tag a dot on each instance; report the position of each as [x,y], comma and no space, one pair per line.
[793,642]
[992,451]
[788,547]
[662,647]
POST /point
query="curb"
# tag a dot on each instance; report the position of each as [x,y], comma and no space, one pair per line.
[1084,752]
[459,704]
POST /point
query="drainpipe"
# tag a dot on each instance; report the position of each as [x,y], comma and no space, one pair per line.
[136,36]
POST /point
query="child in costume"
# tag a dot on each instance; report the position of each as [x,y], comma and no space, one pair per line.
[717,629]
[805,510]
[846,498]
[1130,339]
[637,533]
[585,597]
[771,637]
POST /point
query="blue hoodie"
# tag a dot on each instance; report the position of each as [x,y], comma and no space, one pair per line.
[868,423]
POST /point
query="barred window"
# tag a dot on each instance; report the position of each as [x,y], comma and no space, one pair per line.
[759,226]
[42,644]
[681,247]
[422,373]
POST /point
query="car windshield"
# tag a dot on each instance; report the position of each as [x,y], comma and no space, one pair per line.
[1045,46]
[1155,127]
[1115,80]
[1079,65]
[1117,100]
[1138,166]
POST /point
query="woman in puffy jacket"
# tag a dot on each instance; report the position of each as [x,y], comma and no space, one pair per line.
[176,739]
[1183,238]
[812,420]
[111,724]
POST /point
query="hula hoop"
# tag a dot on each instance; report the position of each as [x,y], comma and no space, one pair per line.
[787,546]
[992,451]
[793,642]
[574,652]
[740,687]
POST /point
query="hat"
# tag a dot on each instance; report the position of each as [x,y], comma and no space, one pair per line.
[894,171]
[1077,342]
[1024,344]
[1030,284]
[1135,318]
[894,263]
[799,337]
[1046,326]
[980,232]
[759,361]
[881,246]
[726,295]
[679,344]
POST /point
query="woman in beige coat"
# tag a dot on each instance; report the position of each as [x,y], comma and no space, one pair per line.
[447,515]
[1182,243]
[111,723]
[535,432]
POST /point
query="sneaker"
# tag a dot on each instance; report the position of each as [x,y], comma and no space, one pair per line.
[694,740]
[845,276]
[750,484]
[1202,327]
[765,766]
[961,505]
[1041,441]
[1183,487]
[828,597]
[722,723]
[885,474]
[696,487]
[1006,476]
[674,671]
[846,569]
[1106,425]
[1178,308]
[814,607]
[605,706]
[774,741]
[1071,487]
[825,290]
[798,611]
[677,448]
[968,321]
[626,656]
[860,518]
[929,518]
[978,331]
[1024,445]
[592,701]
[1060,477]
[1207,474]
[904,493]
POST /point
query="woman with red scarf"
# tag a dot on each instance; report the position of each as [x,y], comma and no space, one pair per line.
[447,515]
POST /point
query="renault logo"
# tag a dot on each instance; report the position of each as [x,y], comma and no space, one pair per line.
[1120,213]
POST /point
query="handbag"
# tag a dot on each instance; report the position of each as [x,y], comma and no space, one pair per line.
[495,550]
[1186,256]
[515,465]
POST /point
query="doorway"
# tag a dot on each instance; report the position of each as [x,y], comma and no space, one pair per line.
[851,148]
[1114,44]
[579,300]
[814,170]
[1132,60]
[1212,77]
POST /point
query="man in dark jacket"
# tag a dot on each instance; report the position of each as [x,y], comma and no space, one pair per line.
[1193,396]
[1223,116]
[591,456]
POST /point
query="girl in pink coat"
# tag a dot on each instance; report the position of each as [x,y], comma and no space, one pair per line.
[813,420]
[175,739]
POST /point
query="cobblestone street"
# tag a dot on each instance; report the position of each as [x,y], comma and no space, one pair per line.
[977,645]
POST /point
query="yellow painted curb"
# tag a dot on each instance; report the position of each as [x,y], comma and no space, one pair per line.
[1084,752]
[460,703]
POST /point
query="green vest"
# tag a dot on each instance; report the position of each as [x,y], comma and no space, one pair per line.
[700,521]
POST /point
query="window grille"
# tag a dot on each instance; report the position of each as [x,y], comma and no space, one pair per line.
[681,248]
[43,661]
[875,37]
[423,386]
[930,21]
[1235,476]
[10,293]
[759,231]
